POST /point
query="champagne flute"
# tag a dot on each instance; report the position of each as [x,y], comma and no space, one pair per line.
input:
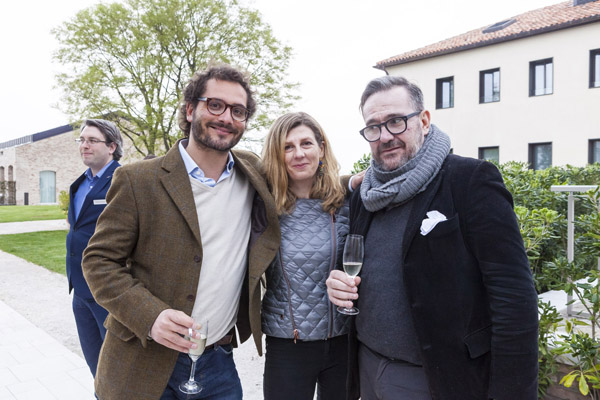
[352,260]
[191,386]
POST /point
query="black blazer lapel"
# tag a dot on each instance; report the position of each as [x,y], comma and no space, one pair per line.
[421,204]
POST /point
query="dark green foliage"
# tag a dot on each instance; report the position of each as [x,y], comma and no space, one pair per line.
[542,215]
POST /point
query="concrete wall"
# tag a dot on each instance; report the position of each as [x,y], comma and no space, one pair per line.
[568,118]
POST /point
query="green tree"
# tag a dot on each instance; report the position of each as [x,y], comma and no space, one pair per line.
[129,61]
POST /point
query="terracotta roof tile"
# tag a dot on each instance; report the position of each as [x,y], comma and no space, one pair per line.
[555,17]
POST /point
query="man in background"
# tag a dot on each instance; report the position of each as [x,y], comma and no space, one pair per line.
[100,146]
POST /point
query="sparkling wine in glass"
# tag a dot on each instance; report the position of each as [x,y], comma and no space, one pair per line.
[352,260]
[191,386]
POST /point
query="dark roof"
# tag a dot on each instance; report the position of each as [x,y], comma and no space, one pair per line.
[546,19]
[52,132]
[37,136]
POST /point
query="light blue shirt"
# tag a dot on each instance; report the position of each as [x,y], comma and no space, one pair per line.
[194,170]
[85,187]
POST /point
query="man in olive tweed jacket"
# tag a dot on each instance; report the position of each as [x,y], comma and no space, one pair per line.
[143,263]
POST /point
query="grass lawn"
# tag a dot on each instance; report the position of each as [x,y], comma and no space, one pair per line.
[30,213]
[42,248]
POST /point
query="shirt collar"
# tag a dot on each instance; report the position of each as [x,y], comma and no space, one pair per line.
[192,168]
[88,172]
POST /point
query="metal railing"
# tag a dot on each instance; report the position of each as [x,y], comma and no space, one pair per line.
[571,223]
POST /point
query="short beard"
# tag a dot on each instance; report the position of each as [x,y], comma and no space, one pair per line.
[408,155]
[203,139]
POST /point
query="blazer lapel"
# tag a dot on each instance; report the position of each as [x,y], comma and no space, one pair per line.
[98,187]
[72,191]
[176,182]
[421,204]
[255,179]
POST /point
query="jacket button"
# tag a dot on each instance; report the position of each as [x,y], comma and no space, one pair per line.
[190,297]
[196,258]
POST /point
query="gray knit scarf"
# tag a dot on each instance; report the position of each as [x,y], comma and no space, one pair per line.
[381,189]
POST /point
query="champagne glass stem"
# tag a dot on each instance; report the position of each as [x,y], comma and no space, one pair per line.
[193,371]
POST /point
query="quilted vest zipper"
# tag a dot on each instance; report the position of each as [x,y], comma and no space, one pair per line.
[289,296]
[331,265]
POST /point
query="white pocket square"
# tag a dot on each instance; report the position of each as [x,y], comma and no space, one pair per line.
[433,218]
[99,202]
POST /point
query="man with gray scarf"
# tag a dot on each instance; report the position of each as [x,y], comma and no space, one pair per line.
[448,309]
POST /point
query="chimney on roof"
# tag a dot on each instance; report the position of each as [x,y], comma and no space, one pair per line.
[580,2]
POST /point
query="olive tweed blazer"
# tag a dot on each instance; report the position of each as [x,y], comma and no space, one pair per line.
[145,257]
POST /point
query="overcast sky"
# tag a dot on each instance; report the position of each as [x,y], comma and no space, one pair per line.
[335,42]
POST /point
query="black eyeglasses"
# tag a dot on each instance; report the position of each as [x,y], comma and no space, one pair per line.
[90,141]
[395,126]
[218,107]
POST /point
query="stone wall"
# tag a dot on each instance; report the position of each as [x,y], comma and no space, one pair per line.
[59,154]
[7,183]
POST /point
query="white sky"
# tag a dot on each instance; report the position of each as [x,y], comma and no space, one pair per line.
[335,42]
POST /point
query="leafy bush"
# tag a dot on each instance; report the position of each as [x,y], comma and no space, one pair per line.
[63,201]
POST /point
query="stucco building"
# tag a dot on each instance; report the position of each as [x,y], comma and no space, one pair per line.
[526,88]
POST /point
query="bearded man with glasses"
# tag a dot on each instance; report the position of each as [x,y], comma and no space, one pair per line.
[100,146]
[448,308]
[184,238]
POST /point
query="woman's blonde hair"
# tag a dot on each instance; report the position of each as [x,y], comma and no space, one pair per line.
[326,187]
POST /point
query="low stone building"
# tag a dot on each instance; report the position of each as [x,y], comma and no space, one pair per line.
[34,169]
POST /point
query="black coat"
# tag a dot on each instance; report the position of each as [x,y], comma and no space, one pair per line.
[469,287]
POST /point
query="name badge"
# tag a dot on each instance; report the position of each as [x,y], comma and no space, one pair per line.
[99,202]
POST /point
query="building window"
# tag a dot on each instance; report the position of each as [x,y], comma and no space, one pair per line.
[489,153]
[540,155]
[540,77]
[595,68]
[444,92]
[594,151]
[489,86]
[47,187]
[10,173]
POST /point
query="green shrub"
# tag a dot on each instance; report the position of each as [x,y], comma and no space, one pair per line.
[63,201]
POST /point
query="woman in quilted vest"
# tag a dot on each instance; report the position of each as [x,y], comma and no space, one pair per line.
[306,336]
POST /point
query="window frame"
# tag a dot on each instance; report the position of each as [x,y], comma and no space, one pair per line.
[532,76]
[482,75]
[594,79]
[439,103]
[481,150]
[532,147]
[591,144]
